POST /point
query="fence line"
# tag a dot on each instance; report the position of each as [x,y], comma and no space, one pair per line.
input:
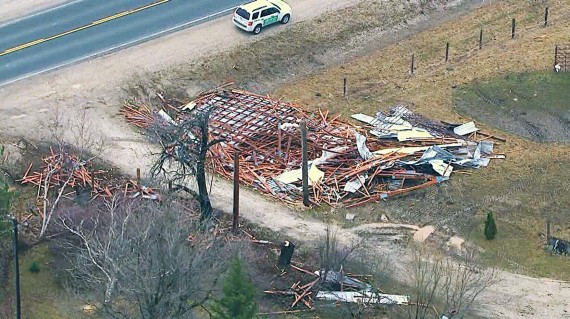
[433,67]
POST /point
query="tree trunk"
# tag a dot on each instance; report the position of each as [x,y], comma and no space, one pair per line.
[204,198]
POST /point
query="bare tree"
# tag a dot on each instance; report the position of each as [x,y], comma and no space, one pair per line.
[333,255]
[135,256]
[184,153]
[64,166]
[454,283]
[465,279]
[336,259]
[428,276]
[77,143]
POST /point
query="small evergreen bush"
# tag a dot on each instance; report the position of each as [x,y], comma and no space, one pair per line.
[490,227]
[238,301]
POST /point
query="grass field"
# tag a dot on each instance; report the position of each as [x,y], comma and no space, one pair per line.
[535,105]
[41,295]
[523,190]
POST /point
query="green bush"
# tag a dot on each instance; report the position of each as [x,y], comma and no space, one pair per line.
[34,267]
[238,301]
[490,227]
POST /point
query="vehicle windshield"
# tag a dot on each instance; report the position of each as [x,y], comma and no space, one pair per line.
[278,7]
[242,13]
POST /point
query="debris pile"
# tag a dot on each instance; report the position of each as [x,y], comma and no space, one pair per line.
[397,152]
[66,173]
[339,287]
[559,246]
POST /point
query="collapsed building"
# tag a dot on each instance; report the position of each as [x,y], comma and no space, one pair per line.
[391,153]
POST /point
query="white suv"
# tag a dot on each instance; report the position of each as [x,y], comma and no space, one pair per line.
[254,15]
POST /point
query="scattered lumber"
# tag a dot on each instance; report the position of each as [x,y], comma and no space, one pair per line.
[396,152]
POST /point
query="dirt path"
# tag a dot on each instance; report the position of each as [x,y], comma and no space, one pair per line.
[13,9]
[516,296]
[26,106]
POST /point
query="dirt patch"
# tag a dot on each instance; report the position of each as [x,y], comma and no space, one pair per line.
[533,105]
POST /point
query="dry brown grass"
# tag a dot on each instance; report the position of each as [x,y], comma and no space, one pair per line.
[299,50]
[523,190]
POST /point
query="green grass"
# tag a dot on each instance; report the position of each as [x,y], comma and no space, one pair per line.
[528,91]
[41,295]
[517,249]
[535,105]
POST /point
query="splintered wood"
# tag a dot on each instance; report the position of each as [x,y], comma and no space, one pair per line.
[265,132]
[66,170]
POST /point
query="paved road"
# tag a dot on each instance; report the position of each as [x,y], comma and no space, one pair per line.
[94,33]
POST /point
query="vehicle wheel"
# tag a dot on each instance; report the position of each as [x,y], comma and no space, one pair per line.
[257,29]
[285,19]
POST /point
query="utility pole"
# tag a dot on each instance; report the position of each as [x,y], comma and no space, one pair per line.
[304,166]
[235,220]
[16,268]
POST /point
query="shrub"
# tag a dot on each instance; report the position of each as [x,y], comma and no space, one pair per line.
[490,227]
[238,301]
[34,267]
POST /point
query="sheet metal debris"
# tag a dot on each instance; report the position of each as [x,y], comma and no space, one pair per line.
[337,286]
[395,152]
[363,297]
[365,118]
[465,129]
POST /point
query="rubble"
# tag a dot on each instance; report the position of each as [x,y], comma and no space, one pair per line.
[68,171]
[396,152]
[423,233]
[341,279]
[559,246]
[363,297]
[350,290]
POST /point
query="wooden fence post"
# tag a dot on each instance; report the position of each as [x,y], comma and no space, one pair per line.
[513,28]
[278,139]
[481,39]
[546,16]
[235,220]
[556,55]
[344,87]
[446,51]
[138,177]
[412,65]
[305,166]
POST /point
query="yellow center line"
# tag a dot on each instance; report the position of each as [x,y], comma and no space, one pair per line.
[92,24]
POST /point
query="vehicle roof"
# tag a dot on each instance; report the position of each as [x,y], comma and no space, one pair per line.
[256,4]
